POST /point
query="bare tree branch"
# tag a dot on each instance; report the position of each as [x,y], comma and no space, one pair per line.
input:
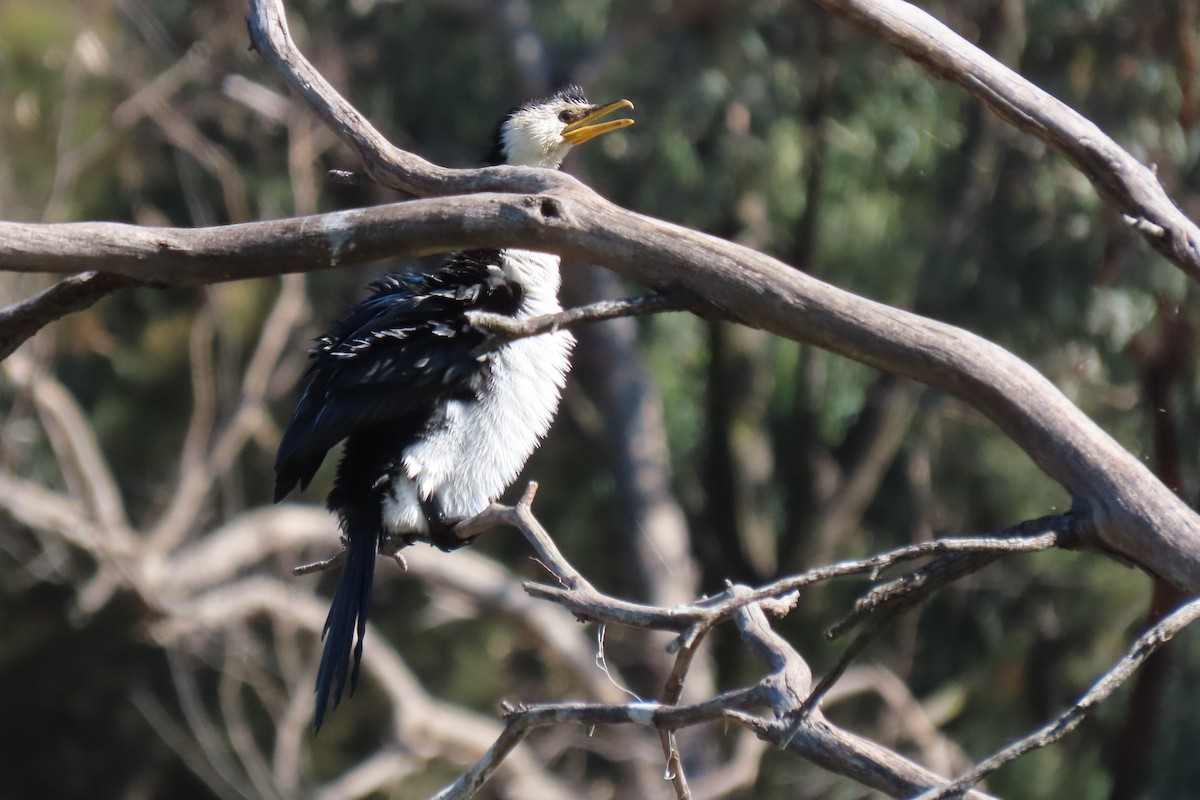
[22,320]
[507,329]
[1145,645]
[782,690]
[1126,184]
[83,465]
[384,162]
[1125,508]
[197,592]
[907,590]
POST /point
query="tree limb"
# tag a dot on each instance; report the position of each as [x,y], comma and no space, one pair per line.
[22,320]
[782,690]
[1130,187]
[1124,507]
[1145,645]
[505,329]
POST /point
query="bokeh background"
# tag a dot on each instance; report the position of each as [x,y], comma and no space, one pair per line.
[687,452]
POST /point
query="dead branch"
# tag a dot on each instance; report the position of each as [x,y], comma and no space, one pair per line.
[1145,645]
[781,691]
[787,690]
[1128,186]
[1112,488]
[384,162]
[1124,508]
[22,320]
[1119,505]
[908,590]
[507,329]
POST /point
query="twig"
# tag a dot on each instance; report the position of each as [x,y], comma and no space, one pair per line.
[682,618]
[690,621]
[22,320]
[333,562]
[865,637]
[1066,722]
[687,646]
[665,717]
[781,691]
[904,592]
[507,329]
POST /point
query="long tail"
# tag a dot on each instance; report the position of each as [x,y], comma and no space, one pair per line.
[348,614]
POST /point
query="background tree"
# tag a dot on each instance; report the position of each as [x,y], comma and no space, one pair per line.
[151,638]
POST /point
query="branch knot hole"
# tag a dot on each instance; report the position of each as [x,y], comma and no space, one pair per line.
[551,208]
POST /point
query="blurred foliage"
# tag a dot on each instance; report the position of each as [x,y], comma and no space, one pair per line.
[763,121]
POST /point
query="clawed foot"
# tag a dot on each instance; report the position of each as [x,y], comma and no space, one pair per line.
[441,527]
[442,534]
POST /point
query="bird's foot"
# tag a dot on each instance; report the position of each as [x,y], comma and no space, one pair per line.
[442,534]
[441,527]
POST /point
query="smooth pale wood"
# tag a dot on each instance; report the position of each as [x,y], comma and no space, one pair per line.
[1124,508]
[1126,184]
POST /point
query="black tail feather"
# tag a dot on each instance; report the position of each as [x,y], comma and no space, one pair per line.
[348,614]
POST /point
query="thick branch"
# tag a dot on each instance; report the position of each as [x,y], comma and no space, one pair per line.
[1121,501]
[384,162]
[1122,505]
[1126,184]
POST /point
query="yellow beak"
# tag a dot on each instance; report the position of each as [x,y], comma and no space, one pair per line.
[581,130]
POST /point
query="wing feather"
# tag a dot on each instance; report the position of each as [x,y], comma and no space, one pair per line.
[394,357]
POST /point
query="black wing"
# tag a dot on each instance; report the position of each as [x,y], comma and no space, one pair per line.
[395,355]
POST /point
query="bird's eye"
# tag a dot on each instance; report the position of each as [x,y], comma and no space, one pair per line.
[564,116]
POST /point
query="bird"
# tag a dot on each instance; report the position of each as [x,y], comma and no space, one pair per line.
[435,423]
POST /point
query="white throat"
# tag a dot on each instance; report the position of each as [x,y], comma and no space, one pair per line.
[533,139]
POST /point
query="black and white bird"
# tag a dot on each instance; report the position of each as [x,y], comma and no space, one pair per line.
[435,428]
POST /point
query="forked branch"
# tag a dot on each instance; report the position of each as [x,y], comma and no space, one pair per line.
[1123,508]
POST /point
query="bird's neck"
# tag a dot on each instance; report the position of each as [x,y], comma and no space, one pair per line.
[534,143]
[538,276]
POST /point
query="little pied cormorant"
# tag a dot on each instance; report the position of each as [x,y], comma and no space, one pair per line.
[434,431]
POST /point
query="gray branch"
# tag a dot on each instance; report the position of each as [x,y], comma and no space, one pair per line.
[781,691]
[1123,507]
[1130,187]
[1055,730]
[506,329]
[21,320]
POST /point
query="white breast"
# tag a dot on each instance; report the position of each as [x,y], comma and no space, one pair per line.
[473,457]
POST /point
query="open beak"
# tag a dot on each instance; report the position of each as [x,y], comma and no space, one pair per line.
[581,130]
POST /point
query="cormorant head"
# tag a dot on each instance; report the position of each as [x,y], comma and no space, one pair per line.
[539,133]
